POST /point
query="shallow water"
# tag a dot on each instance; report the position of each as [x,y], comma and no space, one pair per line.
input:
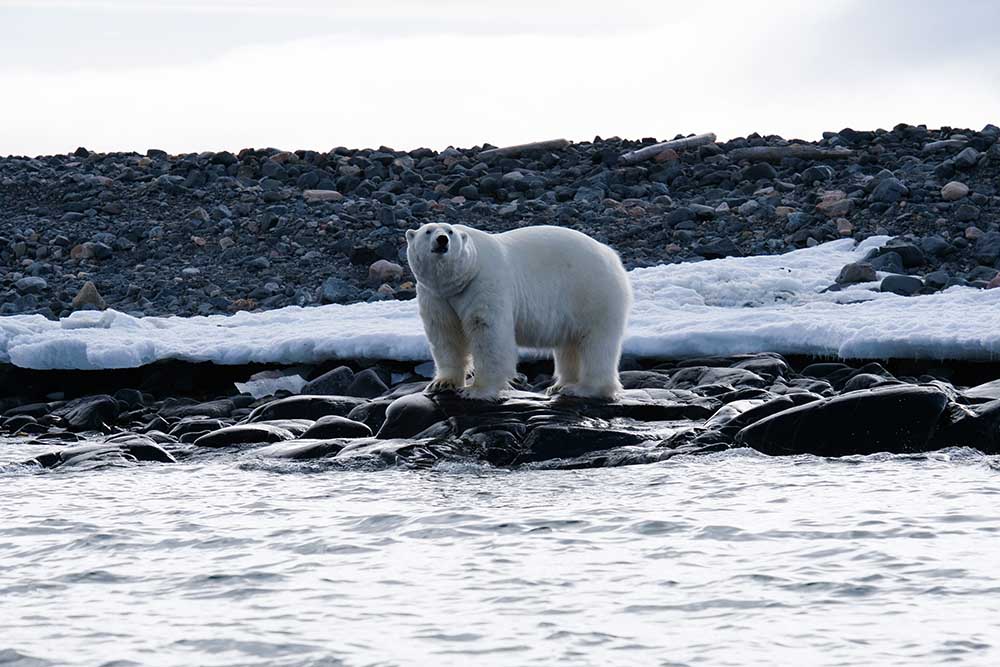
[729,559]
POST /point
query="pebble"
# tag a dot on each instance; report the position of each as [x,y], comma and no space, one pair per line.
[954,190]
[856,272]
[30,285]
[384,271]
[314,196]
[88,298]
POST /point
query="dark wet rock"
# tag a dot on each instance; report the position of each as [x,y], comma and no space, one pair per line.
[194,425]
[90,413]
[211,409]
[367,384]
[644,379]
[552,441]
[988,391]
[860,381]
[971,426]
[303,449]
[130,451]
[404,452]
[696,376]
[371,413]
[31,410]
[331,383]
[132,398]
[244,434]
[297,427]
[305,407]
[408,415]
[332,426]
[766,366]
[892,419]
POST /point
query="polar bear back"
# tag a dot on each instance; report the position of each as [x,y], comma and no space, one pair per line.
[562,283]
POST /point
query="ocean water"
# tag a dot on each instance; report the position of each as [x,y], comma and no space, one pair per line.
[728,559]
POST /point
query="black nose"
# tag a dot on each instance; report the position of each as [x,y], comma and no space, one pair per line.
[442,241]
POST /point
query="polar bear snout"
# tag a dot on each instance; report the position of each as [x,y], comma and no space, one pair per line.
[440,244]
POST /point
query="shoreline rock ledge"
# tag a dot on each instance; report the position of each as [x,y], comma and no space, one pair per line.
[691,407]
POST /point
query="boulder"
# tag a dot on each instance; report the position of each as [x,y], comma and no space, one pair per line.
[893,419]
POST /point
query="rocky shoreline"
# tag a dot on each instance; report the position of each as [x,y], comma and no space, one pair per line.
[377,417]
[218,232]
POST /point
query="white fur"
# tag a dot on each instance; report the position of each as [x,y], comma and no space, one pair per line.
[541,287]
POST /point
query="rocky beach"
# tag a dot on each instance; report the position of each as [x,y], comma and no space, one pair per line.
[216,233]
[220,232]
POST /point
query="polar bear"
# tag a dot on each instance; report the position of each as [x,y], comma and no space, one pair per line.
[482,295]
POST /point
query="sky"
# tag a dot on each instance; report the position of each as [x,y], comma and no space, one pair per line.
[189,75]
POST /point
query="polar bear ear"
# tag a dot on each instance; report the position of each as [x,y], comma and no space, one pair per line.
[410,233]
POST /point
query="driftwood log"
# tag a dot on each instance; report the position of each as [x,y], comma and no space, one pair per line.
[507,151]
[778,153]
[648,152]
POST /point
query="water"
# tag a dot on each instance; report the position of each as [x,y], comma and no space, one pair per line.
[730,559]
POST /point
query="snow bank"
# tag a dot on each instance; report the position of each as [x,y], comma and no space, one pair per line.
[753,304]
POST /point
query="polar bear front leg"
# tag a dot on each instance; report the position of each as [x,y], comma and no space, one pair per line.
[494,354]
[449,345]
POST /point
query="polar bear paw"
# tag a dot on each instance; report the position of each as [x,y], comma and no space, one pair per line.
[555,389]
[605,393]
[444,384]
[483,393]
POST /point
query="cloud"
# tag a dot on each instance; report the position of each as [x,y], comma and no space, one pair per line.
[790,70]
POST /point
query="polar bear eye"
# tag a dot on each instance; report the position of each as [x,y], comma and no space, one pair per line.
[449,232]
[428,232]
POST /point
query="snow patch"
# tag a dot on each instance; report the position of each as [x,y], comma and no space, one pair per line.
[770,303]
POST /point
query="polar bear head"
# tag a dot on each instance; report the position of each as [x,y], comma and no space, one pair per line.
[442,257]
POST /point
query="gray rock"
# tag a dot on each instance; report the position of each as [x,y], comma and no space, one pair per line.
[337,290]
[967,159]
[30,285]
[889,191]
[817,173]
[331,383]
[902,285]
[88,298]
[856,272]
[967,213]
[935,246]
[889,262]
[954,190]
[937,279]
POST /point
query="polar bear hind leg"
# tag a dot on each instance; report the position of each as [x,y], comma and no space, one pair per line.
[567,367]
[598,368]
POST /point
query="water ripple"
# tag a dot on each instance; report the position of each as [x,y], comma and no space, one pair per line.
[730,558]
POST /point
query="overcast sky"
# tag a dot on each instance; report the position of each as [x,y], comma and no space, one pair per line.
[189,75]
